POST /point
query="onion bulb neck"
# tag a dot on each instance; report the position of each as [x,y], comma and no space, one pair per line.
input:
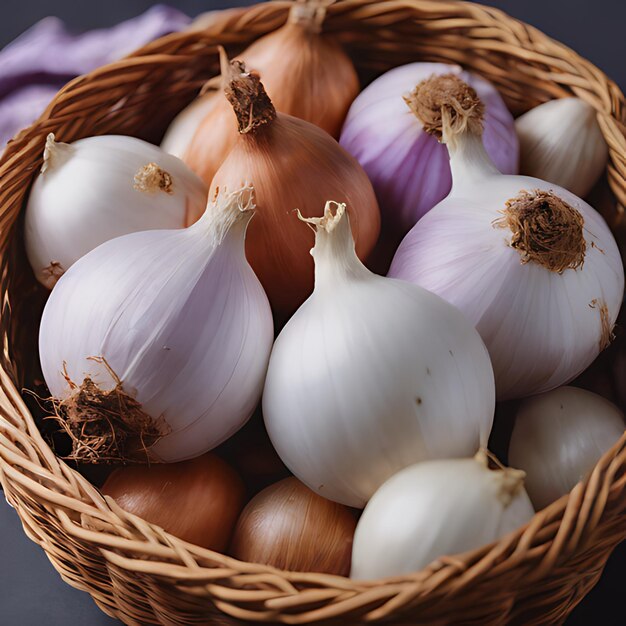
[447,106]
[308,14]
[54,153]
[451,110]
[334,252]
[228,213]
[510,480]
[246,94]
[545,230]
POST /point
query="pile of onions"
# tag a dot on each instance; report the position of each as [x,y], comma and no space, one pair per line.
[292,164]
[410,171]
[535,268]
[157,341]
[198,501]
[292,528]
[306,74]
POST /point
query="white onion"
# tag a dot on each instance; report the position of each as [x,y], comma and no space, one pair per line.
[179,317]
[372,375]
[434,509]
[561,142]
[558,438]
[99,188]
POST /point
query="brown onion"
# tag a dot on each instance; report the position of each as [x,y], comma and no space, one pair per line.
[290,527]
[306,74]
[197,500]
[292,164]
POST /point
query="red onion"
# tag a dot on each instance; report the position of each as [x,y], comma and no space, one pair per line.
[409,169]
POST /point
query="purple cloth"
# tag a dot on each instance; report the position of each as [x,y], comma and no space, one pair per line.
[41,60]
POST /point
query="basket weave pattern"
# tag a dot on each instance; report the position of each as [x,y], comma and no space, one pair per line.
[142,575]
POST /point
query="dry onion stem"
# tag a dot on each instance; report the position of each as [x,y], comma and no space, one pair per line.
[152,177]
[105,426]
[462,107]
[248,98]
[546,230]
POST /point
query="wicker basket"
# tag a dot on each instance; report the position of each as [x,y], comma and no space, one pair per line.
[140,574]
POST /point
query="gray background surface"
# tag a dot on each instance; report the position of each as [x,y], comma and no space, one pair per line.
[31,593]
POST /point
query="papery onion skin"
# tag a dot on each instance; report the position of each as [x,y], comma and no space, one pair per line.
[372,375]
[409,169]
[290,527]
[558,438]
[542,324]
[87,194]
[211,143]
[178,317]
[434,509]
[198,501]
[305,72]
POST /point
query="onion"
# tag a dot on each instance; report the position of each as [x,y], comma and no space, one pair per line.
[292,528]
[434,509]
[305,72]
[372,375]
[159,340]
[558,438]
[97,189]
[561,142]
[533,267]
[198,500]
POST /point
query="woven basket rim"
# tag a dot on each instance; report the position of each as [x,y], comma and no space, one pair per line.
[28,468]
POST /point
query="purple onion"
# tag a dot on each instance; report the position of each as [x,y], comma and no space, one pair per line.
[39,62]
[409,169]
